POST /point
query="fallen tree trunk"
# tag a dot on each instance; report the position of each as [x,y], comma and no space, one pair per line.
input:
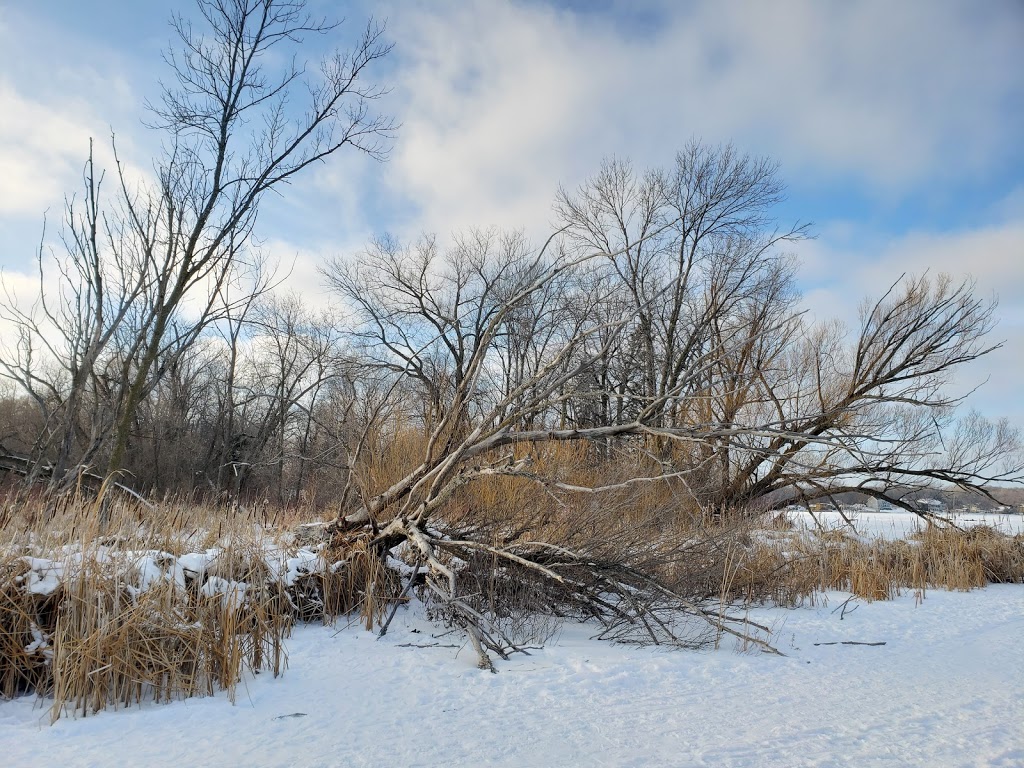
[90,481]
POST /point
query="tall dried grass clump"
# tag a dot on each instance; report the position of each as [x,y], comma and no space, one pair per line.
[25,654]
[790,568]
[114,633]
[108,605]
[971,558]
[355,579]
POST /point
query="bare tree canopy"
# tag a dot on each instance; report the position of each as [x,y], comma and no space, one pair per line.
[144,276]
[660,323]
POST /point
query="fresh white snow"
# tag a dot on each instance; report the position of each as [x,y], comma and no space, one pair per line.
[946,689]
[900,524]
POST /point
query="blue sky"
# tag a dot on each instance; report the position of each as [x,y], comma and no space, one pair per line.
[898,127]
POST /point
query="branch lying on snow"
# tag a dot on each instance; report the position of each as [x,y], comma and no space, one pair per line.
[426,645]
[851,642]
[630,605]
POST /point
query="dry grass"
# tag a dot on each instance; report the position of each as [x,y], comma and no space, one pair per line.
[25,654]
[99,608]
[789,569]
[114,610]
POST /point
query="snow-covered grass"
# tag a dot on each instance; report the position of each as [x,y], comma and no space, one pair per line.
[928,678]
[944,690]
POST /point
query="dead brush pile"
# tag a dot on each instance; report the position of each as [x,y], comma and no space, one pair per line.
[637,559]
[95,615]
[633,562]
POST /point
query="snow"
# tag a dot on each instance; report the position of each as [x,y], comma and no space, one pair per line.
[44,576]
[901,524]
[155,567]
[232,592]
[304,562]
[945,689]
[195,563]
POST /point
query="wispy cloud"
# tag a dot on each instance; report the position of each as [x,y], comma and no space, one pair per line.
[501,101]
[41,149]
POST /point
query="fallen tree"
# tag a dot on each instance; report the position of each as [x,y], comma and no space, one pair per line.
[491,351]
[91,482]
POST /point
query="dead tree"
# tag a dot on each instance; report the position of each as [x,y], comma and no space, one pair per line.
[749,395]
[713,293]
[435,317]
[885,401]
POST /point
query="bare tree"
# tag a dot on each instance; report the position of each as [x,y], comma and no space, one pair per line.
[435,317]
[684,314]
[68,351]
[885,402]
[145,275]
[232,139]
[171,424]
[292,356]
[693,244]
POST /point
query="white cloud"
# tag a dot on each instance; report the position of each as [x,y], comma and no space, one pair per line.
[502,101]
[490,96]
[41,150]
[300,265]
[56,92]
[19,290]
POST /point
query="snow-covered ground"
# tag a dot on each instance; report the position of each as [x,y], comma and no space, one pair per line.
[946,689]
[899,525]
